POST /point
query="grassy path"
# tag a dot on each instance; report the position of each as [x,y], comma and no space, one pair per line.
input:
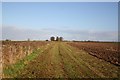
[60,60]
[90,66]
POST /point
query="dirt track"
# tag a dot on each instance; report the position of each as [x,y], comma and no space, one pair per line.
[60,60]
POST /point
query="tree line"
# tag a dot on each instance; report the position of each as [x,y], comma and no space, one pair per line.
[57,38]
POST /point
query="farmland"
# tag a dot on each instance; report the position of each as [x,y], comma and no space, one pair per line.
[107,51]
[35,59]
[16,50]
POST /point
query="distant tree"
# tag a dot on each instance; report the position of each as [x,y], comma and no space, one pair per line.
[52,38]
[61,38]
[57,38]
[28,39]
[88,41]
[7,40]
[46,40]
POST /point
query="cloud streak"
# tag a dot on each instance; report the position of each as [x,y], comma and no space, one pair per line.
[15,33]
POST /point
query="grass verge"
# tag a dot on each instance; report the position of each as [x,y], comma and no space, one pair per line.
[14,69]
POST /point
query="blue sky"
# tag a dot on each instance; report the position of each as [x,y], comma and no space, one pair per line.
[71,20]
[59,0]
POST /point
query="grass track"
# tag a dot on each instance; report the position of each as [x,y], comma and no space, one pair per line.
[60,60]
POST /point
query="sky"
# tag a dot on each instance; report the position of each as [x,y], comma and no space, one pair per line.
[72,20]
[59,0]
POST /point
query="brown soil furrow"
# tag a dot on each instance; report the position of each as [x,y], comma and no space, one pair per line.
[96,65]
[77,59]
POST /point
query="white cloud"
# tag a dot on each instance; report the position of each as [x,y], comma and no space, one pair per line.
[15,33]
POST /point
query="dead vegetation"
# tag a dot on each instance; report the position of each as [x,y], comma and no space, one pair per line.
[13,51]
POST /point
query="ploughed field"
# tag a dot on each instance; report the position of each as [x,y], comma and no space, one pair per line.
[57,60]
[104,50]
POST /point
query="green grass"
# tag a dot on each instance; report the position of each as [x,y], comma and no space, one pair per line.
[60,60]
[15,69]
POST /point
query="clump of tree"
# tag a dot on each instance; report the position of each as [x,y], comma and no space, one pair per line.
[28,39]
[47,40]
[57,38]
[52,38]
[61,38]
[7,40]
